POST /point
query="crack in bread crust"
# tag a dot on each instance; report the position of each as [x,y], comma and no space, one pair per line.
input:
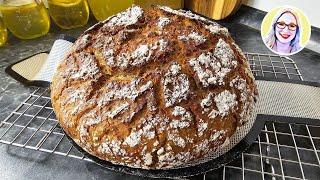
[153,88]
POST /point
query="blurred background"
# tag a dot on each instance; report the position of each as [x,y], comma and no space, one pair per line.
[29,19]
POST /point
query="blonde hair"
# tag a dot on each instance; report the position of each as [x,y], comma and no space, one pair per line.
[270,39]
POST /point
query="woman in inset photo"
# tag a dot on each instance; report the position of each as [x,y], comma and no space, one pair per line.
[284,34]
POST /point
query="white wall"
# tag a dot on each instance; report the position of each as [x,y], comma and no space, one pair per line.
[311,8]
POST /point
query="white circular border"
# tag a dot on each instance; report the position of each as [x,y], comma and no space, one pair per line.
[284,7]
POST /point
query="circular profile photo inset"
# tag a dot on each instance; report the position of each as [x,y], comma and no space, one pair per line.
[285,30]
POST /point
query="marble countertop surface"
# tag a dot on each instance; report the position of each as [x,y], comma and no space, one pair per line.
[19,163]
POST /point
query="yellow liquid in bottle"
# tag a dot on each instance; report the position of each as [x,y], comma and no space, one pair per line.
[3,33]
[175,4]
[25,18]
[102,9]
[69,14]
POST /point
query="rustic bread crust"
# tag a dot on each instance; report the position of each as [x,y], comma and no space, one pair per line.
[153,88]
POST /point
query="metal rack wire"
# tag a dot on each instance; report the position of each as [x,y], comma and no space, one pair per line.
[281,151]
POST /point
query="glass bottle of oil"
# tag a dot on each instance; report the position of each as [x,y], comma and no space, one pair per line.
[102,9]
[3,33]
[69,14]
[175,4]
[26,19]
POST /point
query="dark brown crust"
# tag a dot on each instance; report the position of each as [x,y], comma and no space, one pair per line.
[91,88]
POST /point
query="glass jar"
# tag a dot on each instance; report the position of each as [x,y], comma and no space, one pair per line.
[26,19]
[3,33]
[69,14]
[102,9]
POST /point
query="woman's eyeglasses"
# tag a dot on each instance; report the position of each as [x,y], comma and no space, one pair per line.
[291,26]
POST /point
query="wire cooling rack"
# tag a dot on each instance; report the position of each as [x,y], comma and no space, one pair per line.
[281,151]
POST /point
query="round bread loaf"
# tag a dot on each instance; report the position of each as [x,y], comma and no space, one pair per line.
[153,88]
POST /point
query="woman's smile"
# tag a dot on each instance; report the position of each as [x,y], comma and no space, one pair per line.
[285,36]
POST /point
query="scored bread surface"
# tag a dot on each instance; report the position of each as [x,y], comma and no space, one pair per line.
[153,88]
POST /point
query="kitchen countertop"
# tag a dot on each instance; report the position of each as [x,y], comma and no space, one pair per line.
[18,163]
